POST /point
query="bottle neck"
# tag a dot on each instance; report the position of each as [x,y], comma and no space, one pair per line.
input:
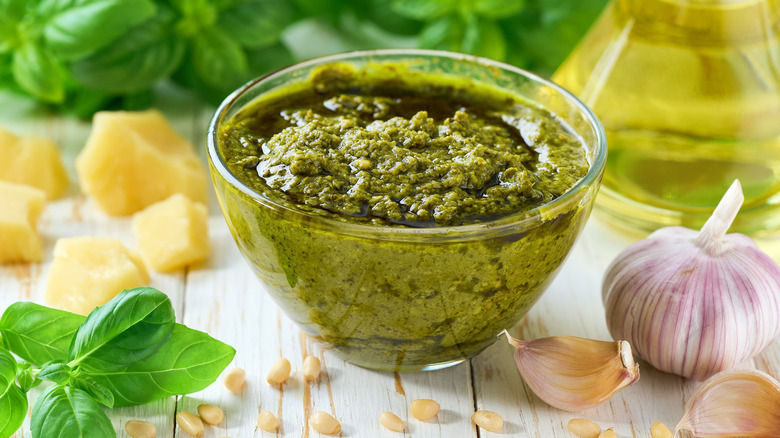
[704,22]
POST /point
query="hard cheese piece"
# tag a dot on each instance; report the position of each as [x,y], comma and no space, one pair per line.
[20,208]
[172,233]
[89,271]
[134,159]
[33,161]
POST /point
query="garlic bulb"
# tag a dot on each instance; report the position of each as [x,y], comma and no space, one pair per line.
[695,303]
[733,403]
[573,373]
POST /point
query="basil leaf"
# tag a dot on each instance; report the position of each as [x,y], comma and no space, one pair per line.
[7,370]
[260,61]
[13,401]
[484,38]
[11,13]
[424,10]
[6,76]
[56,372]
[204,11]
[218,60]
[137,101]
[381,14]
[76,28]
[443,34]
[135,71]
[145,55]
[98,392]
[129,328]
[13,409]
[38,73]
[84,103]
[190,361]
[69,412]
[187,78]
[329,11]
[548,30]
[256,23]
[497,8]
[38,334]
[268,59]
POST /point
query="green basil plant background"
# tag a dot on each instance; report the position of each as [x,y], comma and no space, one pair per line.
[81,56]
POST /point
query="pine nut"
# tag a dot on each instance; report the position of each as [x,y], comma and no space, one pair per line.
[210,414]
[584,428]
[324,423]
[392,422]
[311,368]
[234,380]
[140,429]
[190,423]
[424,409]
[659,430]
[267,421]
[488,420]
[609,433]
[279,372]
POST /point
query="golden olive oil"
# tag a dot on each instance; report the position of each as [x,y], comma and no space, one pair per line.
[689,95]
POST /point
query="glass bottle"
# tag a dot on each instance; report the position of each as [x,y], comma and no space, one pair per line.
[688,92]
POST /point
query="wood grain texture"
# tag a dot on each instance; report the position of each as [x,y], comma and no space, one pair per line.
[223,297]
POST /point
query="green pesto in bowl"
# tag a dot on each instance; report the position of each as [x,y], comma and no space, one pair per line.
[377,205]
[419,151]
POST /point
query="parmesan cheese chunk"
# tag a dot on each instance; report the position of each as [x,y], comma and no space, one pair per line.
[20,208]
[88,271]
[33,161]
[134,159]
[172,233]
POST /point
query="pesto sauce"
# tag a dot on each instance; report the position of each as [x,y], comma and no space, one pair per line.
[420,154]
[393,151]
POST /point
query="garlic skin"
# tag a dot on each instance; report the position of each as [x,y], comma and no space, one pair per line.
[695,303]
[743,403]
[572,373]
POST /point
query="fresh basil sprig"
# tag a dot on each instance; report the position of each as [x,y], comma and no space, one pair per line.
[85,55]
[126,352]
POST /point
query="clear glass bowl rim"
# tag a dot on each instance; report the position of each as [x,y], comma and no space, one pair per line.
[512,223]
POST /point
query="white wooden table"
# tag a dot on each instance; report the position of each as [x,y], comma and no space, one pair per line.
[225,299]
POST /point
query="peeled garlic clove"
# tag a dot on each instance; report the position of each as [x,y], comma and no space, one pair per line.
[572,373]
[695,303]
[734,403]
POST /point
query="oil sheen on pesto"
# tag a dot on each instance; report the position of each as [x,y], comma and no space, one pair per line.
[423,153]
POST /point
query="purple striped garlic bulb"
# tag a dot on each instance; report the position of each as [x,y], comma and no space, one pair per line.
[695,303]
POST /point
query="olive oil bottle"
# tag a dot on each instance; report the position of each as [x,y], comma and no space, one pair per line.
[688,92]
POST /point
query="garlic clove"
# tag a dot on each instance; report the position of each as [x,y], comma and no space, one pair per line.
[572,373]
[743,403]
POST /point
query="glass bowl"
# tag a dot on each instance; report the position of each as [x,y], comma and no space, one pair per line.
[401,298]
